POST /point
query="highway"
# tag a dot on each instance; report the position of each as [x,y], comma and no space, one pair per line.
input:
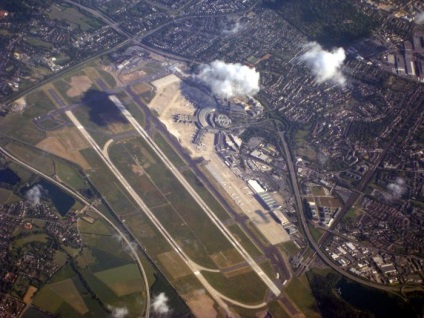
[314,245]
[83,200]
[271,285]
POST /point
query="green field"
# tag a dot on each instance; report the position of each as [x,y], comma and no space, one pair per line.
[300,292]
[73,16]
[31,238]
[123,280]
[20,126]
[171,204]
[69,174]
[315,232]
[7,196]
[248,245]
[168,150]
[290,248]
[247,287]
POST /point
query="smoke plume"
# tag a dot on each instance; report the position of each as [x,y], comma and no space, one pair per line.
[118,312]
[325,65]
[35,194]
[160,304]
[229,79]
[397,188]
[419,19]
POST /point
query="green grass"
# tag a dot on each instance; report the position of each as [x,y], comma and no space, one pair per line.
[136,112]
[36,158]
[247,288]
[118,274]
[205,194]
[267,268]
[69,174]
[109,79]
[277,310]
[290,248]
[37,42]
[180,215]
[170,153]
[300,292]
[73,16]
[31,238]
[7,196]
[315,232]
[245,241]
[20,126]
[99,227]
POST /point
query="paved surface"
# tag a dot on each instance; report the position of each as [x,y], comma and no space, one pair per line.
[196,197]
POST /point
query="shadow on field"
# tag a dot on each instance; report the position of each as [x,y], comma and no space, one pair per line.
[101,109]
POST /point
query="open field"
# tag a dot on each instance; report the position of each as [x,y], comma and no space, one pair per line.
[73,16]
[277,310]
[248,245]
[70,294]
[300,292]
[172,205]
[246,287]
[141,88]
[98,227]
[227,258]
[174,265]
[31,238]
[29,294]
[78,85]
[123,280]
[7,196]
[19,124]
[290,248]
[108,78]
[318,191]
[315,232]
[69,174]
[330,202]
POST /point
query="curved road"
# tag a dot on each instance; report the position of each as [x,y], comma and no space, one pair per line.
[83,200]
[311,240]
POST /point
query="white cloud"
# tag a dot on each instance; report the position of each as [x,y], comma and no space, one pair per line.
[397,188]
[34,194]
[160,304]
[235,29]
[118,312]
[419,19]
[229,79]
[325,65]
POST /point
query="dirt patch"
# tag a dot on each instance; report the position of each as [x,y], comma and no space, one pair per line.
[139,171]
[30,294]
[141,88]
[174,265]
[66,143]
[201,304]
[126,78]
[330,202]
[80,84]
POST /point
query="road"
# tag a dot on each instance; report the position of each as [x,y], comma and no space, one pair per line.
[94,209]
[271,285]
[314,245]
